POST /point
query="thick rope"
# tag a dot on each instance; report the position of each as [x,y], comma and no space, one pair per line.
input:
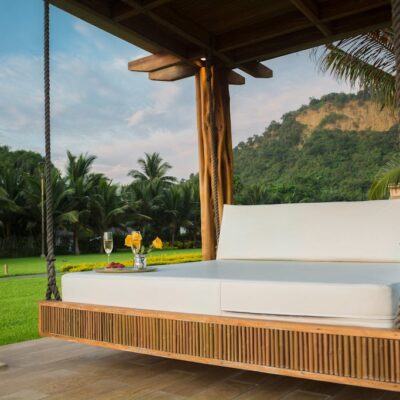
[396,45]
[397,320]
[214,144]
[51,271]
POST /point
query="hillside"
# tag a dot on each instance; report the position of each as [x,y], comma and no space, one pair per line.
[327,150]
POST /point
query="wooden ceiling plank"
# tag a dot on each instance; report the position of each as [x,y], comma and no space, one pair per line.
[256,69]
[153,62]
[310,10]
[275,27]
[310,38]
[235,79]
[173,73]
[334,9]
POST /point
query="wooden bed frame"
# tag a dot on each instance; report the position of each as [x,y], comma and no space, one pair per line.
[356,356]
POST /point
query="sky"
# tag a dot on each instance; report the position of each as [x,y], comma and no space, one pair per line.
[101,108]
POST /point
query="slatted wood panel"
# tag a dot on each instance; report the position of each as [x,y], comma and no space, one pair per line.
[355,357]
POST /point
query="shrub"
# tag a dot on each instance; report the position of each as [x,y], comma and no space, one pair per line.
[151,260]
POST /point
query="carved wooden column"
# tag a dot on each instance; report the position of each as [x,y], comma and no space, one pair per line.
[220,90]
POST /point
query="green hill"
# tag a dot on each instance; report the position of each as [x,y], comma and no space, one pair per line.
[328,150]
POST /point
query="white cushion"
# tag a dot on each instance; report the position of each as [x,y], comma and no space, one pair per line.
[345,231]
[331,293]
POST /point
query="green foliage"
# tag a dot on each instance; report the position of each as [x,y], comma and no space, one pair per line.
[153,259]
[366,61]
[283,165]
[387,176]
[86,204]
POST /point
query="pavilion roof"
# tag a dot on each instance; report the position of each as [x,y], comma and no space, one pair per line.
[238,33]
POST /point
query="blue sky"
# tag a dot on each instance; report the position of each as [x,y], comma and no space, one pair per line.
[99,107]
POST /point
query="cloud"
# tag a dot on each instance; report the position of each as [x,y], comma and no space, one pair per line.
[100,107]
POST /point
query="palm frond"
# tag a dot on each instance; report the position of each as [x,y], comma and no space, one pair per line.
[364,60]
[387,176]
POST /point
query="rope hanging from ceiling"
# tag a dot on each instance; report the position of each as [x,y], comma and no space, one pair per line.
[52,289]
[214,144]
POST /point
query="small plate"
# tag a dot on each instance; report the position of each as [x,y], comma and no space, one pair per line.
[126,270]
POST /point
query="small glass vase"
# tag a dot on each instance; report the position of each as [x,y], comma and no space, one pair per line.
[140,261]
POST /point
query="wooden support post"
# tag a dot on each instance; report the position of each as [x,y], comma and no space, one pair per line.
[220,85]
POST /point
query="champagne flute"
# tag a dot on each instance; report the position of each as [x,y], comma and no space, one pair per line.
[108,244]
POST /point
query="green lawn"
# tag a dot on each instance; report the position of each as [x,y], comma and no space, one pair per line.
[37,265]
[19,296]
[19,308]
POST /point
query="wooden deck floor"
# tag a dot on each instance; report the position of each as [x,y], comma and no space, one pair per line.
[51,369]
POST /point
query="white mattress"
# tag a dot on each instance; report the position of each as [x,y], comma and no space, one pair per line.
[361,294]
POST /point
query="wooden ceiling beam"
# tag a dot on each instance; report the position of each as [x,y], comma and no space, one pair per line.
[310,10]
[333,9]
[375,19]
[173,73]
[293,22]
[235,79]
[129,12]
[275,27]
[256,69]
[153,62]
[141,34]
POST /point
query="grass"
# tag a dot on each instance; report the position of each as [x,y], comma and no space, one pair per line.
[37,265]
[19,297]
[19,308]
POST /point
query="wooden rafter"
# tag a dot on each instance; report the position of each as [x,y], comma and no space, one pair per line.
[121,13]
[174,73]
[153,62]
[310,37]
[185,29]
[256,33]
[310,10]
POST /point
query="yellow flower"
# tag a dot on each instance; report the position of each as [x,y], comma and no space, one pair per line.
[128,241]
[136,240]
[157,243]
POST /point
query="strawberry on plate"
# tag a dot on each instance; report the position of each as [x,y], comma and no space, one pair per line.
[115,265]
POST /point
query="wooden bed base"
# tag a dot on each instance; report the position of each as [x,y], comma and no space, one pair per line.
[347,355]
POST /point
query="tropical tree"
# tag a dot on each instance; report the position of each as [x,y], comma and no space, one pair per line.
[152,167]
[64,215]
[389,175]
[178,204]
[81,182]
[12,187]
[366,61]
[107,207]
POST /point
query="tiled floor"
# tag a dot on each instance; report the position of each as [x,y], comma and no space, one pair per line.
[50,369]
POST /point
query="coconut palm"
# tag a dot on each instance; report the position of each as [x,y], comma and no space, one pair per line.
[81,182]
[366,61]
[12,188]
[387,176]
[152,167]
[107,207]
[178,205]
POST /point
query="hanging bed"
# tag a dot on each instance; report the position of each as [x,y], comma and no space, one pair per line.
[304,290]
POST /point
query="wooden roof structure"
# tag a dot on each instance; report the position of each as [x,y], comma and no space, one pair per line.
[238,34]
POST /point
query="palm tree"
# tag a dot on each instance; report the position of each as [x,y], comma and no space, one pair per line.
[64,215]
[389,175]
[255,194]
[81,182]
[152,167]
[366,61]
[107,207]
[182,210]
[12,188]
